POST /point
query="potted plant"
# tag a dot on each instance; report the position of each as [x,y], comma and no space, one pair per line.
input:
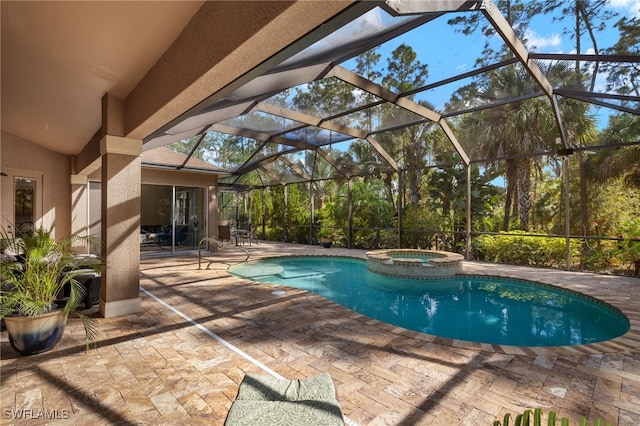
[39,289]
[536,417]
[326,237]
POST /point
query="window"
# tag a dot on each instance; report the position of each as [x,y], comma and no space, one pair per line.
[25,203]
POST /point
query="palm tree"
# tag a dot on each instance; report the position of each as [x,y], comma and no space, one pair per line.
[518,130]
[622,161]
[409,146]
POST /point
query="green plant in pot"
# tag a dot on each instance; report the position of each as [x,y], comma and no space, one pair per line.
[326,237]
[536,417]
[39,289]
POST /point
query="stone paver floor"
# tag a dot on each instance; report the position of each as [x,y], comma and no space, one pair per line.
[180,360]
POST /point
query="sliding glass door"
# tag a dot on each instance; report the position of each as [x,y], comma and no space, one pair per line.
[171,217]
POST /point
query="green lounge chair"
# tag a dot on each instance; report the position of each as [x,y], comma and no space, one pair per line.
[264,400]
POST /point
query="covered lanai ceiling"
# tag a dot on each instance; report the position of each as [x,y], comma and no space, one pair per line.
[263,137]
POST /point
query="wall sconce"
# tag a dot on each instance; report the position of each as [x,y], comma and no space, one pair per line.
[213,197]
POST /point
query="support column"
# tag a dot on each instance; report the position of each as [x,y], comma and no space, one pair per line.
[567,215]
[400,205]
[212,217]
[311,213]
[350,212]
[284,220]
[467,247]
[121,187]
[264,215]
[79,210]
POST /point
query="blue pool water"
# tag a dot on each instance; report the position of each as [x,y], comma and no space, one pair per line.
[479,309]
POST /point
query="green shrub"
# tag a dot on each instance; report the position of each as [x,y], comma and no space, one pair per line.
[388,238]
[602,257]
[274,234]
[420,227]
[523,249]
[298,235]
[630,246]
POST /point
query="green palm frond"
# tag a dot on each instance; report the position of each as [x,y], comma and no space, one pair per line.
[535,418]
[35,282]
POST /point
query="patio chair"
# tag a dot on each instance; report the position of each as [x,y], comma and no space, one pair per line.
[148,238]
[91,280]
[248,233]
[224,233]
[264,400]
[253,234]
[182,232]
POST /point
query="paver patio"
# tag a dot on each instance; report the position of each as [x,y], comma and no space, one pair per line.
[180,360]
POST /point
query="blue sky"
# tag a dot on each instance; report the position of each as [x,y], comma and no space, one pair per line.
[448,53]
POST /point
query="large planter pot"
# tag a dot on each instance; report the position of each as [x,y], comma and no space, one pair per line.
[326,242]
[34,335]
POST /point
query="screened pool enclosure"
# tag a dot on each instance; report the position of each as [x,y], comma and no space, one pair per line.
[431,123]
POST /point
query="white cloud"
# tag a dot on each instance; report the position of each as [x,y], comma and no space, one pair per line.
[536,41]
[629,7]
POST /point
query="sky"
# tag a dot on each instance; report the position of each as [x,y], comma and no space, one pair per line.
[448,53]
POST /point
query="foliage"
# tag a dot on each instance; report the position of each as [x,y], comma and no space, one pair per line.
[421,228]
[517,130]
[44,267]
[602,257]
[609,202]
[298,205]
[515,139]
[630,246]
[370,210]
[448,190]
[409,145]
[619,161]
[328,221]
[545,209]
[388,238]
[274,234]
[536,418]
[326,230]
[298,234]
[624,77]
[523,249]
[616,255]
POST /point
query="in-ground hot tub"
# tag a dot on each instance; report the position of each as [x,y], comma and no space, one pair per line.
[414,263]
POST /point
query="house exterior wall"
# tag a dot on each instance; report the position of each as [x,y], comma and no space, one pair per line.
[22,158]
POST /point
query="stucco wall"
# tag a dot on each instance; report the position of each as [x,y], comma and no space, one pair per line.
[21,158]
[169,177]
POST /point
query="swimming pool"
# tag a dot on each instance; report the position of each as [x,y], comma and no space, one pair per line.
[473,308]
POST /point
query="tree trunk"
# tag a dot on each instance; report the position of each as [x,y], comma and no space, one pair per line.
[584,213]
[510,177]
[524,192]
